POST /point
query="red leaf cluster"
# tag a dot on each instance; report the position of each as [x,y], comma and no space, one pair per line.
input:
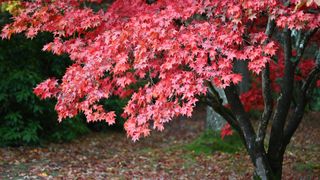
[226,131]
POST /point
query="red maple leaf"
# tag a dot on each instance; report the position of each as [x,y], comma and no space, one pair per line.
[226,131]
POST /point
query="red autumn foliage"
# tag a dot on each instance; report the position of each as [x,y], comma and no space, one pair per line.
[172,46]
[226,131]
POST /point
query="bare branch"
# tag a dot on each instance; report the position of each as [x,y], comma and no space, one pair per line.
[270,27]
[268,106]
[301,44]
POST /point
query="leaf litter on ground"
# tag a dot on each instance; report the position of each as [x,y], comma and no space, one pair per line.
[162,155]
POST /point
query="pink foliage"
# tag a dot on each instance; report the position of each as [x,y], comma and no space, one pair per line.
[168,44]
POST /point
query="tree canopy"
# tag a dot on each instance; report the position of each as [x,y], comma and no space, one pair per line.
[176,46]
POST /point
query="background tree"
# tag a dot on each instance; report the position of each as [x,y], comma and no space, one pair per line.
[181,49]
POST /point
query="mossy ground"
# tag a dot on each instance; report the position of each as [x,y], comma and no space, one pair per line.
[211,141]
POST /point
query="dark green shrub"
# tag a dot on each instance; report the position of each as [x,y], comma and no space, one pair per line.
[24,118]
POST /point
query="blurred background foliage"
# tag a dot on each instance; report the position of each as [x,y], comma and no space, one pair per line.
[24,118]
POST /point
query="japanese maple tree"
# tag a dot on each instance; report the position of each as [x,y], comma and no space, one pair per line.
[180,50]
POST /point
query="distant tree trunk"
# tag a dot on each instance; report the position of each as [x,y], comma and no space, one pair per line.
[215,121]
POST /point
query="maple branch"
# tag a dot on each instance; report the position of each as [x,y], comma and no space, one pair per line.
[242,118]
[283,103]
[301,44]
[266,93]
[216,103]
[304,96]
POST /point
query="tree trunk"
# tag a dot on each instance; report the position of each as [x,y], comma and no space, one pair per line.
[262,169]
[215,121]
[267,169]
[277,169]
[242,68]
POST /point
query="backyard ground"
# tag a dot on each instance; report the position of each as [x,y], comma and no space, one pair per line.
[163,155]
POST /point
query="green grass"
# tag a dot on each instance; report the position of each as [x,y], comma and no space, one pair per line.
[210,142]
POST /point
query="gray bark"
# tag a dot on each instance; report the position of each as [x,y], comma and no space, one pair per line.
[215,121]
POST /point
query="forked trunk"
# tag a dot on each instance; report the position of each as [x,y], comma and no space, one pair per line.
[267,170]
